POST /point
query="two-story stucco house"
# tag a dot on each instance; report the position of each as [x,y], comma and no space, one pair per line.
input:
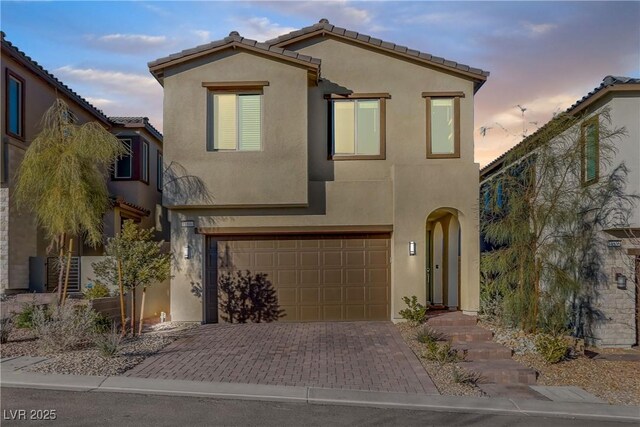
[612,318]
[339,164]
[28,90]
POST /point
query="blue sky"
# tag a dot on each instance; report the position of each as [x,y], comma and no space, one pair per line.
[542,55]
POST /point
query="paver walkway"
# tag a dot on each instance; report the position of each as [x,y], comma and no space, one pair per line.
[347,355]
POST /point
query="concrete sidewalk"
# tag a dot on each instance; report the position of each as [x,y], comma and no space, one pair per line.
[10,377]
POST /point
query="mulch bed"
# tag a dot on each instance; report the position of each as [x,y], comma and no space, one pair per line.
[442,375]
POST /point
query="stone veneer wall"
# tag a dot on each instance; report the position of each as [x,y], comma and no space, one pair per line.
[4,239]
[618,329]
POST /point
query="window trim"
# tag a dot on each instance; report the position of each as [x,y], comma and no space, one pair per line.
[159,170]
[238,88]
[144,173]
[595,120]
[428,96]
[115,176]
[382,99]
[12,75]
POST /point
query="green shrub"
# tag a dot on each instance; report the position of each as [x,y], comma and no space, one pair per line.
[441,353]
[64,328]
[101,323]
[427,335]
[6,325]
[552,348]
[24,319]
[98,290]
[416,312]
[108,342]
[462,376]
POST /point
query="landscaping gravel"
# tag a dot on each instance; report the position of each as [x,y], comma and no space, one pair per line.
[89,361]
[614,381]
[442,375]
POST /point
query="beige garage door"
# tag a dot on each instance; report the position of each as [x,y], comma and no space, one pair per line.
[318,279]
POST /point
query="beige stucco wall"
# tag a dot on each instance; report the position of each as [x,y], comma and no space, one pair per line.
[275,175]
[401,190]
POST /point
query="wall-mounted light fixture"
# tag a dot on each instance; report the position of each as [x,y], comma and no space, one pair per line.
[412,248]
[186,251]
[188,223]
[621,281]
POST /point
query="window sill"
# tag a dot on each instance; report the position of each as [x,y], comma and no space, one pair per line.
[443,156]
[340,157]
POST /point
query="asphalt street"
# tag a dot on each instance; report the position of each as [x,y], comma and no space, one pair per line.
[111,409]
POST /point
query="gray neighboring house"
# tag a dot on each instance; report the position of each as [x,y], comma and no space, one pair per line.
[621,96]
[339,164]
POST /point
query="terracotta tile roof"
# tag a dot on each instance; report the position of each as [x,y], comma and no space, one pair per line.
[119,201]
[607,82]
[234,39]
[137,122]
[27,61]
[326,27]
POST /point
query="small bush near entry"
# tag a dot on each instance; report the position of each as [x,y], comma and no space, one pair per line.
[552,348]
[441,353]
[64,328]
[462,376]
[98,290]
[428,335]
[6,325]
[24,319]
[108,343]
[416,312]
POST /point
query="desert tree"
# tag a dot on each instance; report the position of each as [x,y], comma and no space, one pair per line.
[133,260]
[63,181]
[544,222]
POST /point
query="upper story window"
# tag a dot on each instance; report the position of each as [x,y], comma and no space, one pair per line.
[443,124]
[590,150]
[15,105]
[159,171]
[124,165]
[144,169]
[235,122]
[358,127]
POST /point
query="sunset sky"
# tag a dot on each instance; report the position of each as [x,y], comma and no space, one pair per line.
[541,55]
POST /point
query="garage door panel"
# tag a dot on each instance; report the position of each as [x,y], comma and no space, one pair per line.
[335,278]
[310,277]
[332,295]
[355,277]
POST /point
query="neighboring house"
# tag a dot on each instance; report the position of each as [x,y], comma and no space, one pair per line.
[339,164]
[621,97]
[28,90]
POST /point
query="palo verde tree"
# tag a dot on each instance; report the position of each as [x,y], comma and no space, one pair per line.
[63,180]
[545,219]
[133,261]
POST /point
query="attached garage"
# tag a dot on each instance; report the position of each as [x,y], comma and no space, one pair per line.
[317,278]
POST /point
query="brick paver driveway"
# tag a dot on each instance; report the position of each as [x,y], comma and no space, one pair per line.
[349,355]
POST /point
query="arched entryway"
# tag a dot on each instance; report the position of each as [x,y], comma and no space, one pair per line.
[443,258]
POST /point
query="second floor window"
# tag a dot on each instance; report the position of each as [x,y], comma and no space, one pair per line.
[159,171]
[145,162]
[590,151]
[357,129]
[235,122]
[15,107]
[443,124]
[124,165]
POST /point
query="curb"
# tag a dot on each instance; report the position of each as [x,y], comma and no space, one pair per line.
[320,396]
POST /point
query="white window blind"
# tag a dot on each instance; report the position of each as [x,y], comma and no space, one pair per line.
[356,127]
[237,122]
[442,127]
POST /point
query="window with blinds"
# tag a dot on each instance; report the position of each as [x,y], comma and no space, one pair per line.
[236,122]
[356,127]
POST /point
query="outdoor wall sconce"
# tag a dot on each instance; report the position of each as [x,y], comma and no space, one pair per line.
[412,248]
[621,281]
